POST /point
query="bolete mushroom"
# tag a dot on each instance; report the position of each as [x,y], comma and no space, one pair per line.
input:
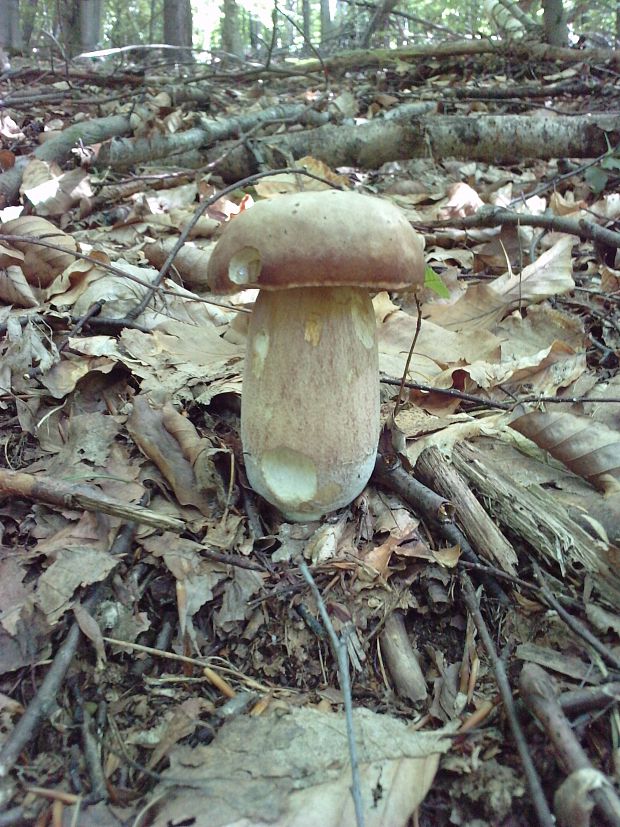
[310,401]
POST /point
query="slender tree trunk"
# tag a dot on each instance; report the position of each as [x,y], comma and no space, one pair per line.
[326,23]
[307,21]
[381,12]
[70,18]
[29,11]
[556,29]
[178,29]
[90,24]
[232,41]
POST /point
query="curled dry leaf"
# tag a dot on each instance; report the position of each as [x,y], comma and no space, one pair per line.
[52,191]
[156,430]
[572,802]
[590,449]
[41,264]
[15,290]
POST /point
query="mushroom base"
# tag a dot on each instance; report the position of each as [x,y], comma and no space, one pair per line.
[310,402]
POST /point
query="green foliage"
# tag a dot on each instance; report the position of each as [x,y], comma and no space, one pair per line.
[434,283]
[412,22]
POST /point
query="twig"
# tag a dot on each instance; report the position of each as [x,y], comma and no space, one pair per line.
[576,701]
[544,815]
[538,694]
[434,508]
[342,657]
[491,403]
[418,327]
[497,216]
[572,622]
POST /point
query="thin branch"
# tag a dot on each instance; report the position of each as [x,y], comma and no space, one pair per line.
[544,815]
[572,622]
[340,650]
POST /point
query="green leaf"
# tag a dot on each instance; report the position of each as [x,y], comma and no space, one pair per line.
[596,179]
[610,162]
[434,283]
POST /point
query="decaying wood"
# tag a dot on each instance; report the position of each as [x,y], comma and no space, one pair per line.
[123,154]
[437,472]
[401,661]
[438,511]
[519,51]
[536,516]
[498,139]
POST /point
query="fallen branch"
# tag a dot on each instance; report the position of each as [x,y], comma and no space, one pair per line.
[58,148]
[435,509]
[494,139]
[80,497]
[538,693]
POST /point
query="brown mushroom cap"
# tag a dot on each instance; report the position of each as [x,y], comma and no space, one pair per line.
[318,239]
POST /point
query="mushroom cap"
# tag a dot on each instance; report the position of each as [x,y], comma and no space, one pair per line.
[318,239]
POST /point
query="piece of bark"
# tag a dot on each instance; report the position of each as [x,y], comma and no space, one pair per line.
[401,661]
[439,474]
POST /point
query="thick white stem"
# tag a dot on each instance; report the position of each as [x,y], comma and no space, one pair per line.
[310,403]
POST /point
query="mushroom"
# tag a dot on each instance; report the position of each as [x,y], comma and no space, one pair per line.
[310,401]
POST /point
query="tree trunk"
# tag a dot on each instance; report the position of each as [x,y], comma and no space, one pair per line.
[307,19]
[326,23]
[10,32]
[90,24]
[381,12]
[69,19]
[556,29]
[28,16]
[178,29]
[232,41]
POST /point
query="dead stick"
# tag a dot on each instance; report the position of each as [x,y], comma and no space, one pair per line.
[573,623]
[434,508]
[538,694]
[340,651]
[545,817]
[80,497]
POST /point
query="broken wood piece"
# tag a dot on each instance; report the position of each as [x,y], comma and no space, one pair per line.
[534,514]
[437,472]
[401,660]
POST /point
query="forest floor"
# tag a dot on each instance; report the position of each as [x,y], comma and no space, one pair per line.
[172,651]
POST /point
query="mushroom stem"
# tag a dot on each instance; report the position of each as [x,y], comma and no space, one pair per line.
[310,402]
